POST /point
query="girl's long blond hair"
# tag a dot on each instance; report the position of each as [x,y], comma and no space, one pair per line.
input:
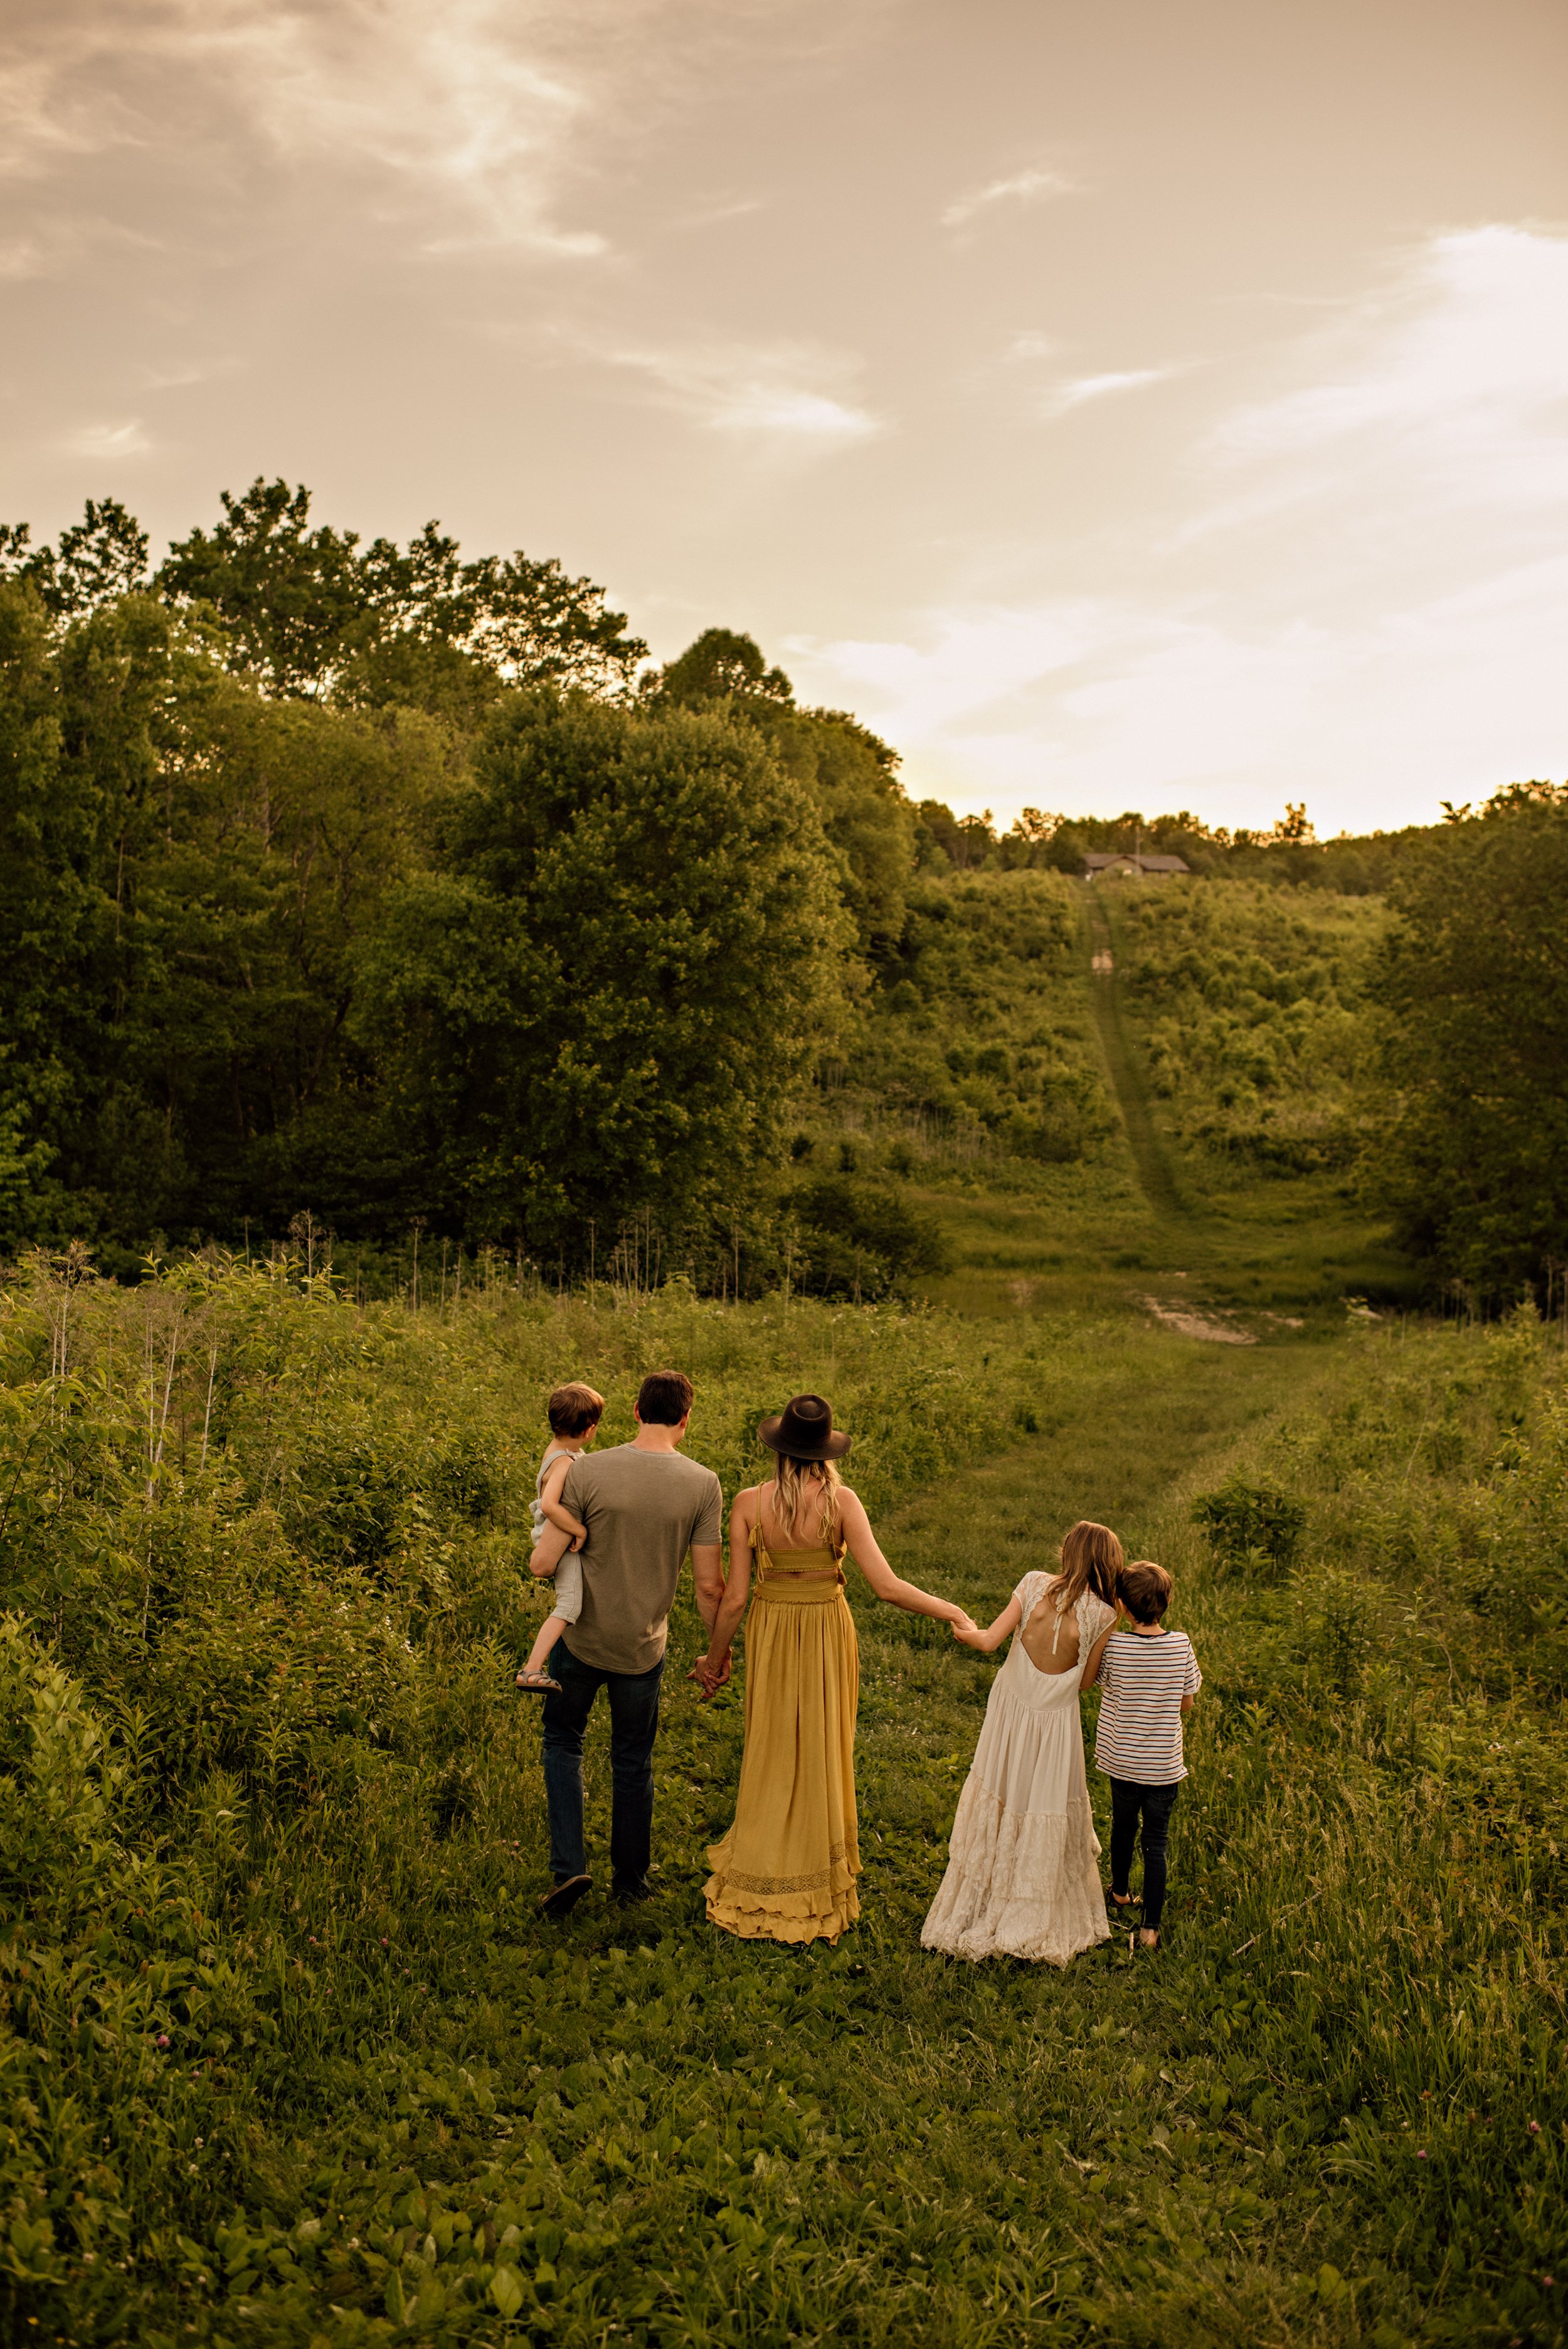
[1092,1560]
[794,1482]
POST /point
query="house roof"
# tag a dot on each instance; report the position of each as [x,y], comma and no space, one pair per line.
[1097,860]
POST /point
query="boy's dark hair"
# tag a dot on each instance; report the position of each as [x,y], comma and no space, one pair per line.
[574,1408]
[1144,1590]
[663,1398]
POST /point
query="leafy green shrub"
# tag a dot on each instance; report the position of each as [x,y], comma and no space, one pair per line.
[1247,1522]
[863,1238]
[1336,1633]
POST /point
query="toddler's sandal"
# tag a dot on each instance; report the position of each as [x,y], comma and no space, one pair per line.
[538,1684]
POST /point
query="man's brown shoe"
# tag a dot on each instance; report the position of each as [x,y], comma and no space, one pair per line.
[562,1897]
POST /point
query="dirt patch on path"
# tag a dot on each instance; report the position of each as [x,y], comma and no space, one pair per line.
[1188,1324]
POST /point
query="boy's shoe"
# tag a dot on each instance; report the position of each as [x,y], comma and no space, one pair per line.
[562,1896]
[537,1684]
[627,1896]
[1119,1908]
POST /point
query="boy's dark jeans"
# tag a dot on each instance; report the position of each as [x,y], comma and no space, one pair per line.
[633,1724]
[1155,1805]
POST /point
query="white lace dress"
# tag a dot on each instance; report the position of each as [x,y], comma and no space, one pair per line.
[1023,1873]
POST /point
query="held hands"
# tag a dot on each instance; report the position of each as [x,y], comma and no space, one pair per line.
[710,1674]
[967,1631]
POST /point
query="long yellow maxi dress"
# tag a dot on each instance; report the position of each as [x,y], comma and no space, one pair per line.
[785,1871]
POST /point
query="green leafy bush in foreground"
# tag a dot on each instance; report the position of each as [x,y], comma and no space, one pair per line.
[1246,1522]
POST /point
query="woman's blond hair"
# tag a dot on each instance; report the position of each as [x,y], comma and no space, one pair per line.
[1092,1560]
[792,1489]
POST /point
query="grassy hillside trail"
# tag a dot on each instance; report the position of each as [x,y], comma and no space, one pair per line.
[1146,1225]
[1155,1172]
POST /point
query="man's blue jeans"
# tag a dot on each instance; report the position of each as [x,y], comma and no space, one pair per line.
[634,1725]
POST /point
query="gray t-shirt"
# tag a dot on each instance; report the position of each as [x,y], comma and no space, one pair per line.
[643,1510]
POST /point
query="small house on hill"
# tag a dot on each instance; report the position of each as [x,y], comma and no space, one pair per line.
[1123,864]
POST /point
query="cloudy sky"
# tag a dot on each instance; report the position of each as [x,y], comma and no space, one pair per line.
[1159,404]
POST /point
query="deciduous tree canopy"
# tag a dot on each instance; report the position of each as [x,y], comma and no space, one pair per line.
[1476,978]
[354,878]
[628,956]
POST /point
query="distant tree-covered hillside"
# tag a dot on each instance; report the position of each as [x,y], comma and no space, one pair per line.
[1252,1005]
[397,890]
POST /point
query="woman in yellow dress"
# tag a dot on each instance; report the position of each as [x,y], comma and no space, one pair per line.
[785,1871]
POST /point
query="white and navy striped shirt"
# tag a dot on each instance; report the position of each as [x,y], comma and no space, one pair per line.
[1144,1680]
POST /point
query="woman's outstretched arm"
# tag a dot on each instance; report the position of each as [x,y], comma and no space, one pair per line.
[710,1669]
[883,1582]
[1006,1623]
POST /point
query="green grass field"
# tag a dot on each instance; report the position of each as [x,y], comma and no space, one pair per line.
[288,2056]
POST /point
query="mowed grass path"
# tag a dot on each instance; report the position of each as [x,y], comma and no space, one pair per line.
[1155,1172]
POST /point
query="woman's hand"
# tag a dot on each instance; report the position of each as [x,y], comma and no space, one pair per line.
[969,1633]
[711,1672]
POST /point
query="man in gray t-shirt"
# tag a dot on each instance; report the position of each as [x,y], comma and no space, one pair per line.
[644,1507]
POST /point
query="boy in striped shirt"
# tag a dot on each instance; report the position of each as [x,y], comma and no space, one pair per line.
[1151,1677]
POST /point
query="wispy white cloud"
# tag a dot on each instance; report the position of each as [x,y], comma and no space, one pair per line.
[1030,187]
[109,440]
[51,108]
[176,376]
[1472,334]
[460,105]
[23,256]
[446,98]
[785,393]
[966,660]
[806,414]
[714,213]
[1445,396]
[1083,389]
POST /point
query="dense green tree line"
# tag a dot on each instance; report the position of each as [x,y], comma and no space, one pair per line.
[372,881]
[1473,1157]
[1288,854]
[396,887]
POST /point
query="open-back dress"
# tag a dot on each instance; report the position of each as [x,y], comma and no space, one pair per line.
[785,1871]
[1023,1870]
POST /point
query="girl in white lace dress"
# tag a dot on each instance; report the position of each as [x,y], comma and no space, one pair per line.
[1023,1871]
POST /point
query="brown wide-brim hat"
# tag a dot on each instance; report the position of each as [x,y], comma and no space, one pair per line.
[804,1430]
